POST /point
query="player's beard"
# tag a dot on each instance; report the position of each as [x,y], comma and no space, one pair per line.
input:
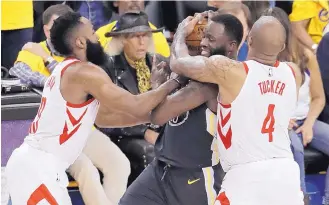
[218,51]
[95,53]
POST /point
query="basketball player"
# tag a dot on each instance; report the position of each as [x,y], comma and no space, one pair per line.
[69,106]
[186,169]
[256,100]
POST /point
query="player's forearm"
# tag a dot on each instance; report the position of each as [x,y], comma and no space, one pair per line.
[185,99]
[179,46]
[119,120]
[146,102]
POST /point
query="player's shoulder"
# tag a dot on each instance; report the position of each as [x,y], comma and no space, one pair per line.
[223,62]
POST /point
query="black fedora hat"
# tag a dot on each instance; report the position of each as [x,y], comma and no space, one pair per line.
[132,22]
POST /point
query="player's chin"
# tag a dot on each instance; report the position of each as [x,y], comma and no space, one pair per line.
[205,53]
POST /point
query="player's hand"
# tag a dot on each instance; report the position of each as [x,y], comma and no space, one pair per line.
[36,49]
[158,73]
[292,124]
[307,132]
[150,136]
[187,25]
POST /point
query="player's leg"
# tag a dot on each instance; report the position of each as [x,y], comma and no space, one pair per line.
[192,186]
[269,182]
[31,182]
[321,142]
[111,161]
[147,189]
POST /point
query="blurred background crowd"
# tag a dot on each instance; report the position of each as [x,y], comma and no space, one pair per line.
[306,24]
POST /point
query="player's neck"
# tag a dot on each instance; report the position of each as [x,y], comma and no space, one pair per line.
[263,59]
[81,57]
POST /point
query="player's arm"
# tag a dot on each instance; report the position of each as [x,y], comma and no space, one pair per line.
[217,69]
[185,99]
[114,99]
[214,70]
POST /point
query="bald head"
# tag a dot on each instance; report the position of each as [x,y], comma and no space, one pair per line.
[267,36]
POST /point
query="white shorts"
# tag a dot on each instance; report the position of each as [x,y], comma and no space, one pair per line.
[35,177]
[270,182]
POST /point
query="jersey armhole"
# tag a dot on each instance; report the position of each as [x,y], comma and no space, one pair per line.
[292,70]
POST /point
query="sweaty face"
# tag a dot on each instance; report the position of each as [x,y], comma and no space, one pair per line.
[125,5]
[135,45]
[215,41]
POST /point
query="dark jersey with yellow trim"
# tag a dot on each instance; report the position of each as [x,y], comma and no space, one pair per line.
[188,140]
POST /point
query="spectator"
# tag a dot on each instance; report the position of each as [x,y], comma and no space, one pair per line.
[121,7]
[16,29]
[130,68]
[304,127]
[257,8]
[98,12]
[308,21]
[34,64]
[323,59]
[33,68]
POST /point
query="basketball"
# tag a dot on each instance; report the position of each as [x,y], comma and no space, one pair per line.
[194,39]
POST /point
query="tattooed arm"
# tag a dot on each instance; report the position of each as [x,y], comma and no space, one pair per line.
[216,69]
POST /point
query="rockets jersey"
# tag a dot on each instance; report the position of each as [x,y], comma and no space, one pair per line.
[254,126]
[61,128]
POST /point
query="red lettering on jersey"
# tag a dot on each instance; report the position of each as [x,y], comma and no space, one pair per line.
[226,139]
[271,86]
[75,122]
[35,124]
[51,82]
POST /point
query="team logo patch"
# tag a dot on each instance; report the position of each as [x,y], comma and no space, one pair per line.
[324,15]
[179,120]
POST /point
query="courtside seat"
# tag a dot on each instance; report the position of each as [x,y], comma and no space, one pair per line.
[315,161]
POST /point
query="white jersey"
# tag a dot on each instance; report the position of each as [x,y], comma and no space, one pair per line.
[61,128]
[254,126]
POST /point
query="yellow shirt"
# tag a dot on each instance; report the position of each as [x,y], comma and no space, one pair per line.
[16,15]
[161,44]
[316,11]
[36,62]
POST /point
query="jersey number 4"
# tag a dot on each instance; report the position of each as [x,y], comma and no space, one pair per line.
[35,123]
[269,121]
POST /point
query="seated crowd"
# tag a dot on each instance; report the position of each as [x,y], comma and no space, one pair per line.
[133,61]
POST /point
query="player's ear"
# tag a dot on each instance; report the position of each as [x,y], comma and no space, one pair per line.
[80,42]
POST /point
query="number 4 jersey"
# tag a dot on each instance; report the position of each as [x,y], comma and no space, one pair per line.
[254,126]
[61,128]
